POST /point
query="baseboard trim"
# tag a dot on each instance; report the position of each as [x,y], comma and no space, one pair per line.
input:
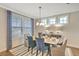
[71,46]
[11,48]
[3,50]
[17,46]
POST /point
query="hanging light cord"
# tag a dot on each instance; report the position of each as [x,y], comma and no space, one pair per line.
[40,12]
[39,18]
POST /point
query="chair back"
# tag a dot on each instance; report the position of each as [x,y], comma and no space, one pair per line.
[40,43]
[64,44]
[25,40]
[30,41]
[59,51]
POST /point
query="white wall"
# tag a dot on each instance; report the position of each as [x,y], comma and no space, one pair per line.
[3,29]
[71,30]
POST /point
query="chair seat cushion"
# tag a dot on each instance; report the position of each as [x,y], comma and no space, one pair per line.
[46,48]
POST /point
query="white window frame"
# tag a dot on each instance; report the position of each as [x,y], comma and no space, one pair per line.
[63,19]
[52,21]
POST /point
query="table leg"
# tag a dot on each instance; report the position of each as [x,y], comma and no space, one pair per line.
[49,49]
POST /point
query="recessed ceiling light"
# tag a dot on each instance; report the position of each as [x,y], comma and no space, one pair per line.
[67,3]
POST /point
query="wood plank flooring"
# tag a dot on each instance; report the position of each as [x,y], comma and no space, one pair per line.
[75,51]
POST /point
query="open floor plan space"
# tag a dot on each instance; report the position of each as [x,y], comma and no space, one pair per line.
[39,29]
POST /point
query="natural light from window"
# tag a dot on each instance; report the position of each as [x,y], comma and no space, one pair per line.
[57,20]
[64,20]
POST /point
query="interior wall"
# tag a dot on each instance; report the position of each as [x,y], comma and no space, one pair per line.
[3,29]
[71,30]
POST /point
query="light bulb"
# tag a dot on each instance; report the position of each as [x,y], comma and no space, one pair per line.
[37,23]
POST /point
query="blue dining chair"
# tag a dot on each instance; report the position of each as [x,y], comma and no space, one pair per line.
[40,45]
[31,43]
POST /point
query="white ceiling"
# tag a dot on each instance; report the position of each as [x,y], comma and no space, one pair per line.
[48,9]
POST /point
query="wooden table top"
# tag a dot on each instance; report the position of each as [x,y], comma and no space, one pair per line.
[51,40]
[48,40]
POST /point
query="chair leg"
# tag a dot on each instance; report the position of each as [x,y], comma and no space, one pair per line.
[31,50]
[36,52]
[48,52]
[42,53]
[28,49]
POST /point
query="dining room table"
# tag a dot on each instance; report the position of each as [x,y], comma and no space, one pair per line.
[51,41]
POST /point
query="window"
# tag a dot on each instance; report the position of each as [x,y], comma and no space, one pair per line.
[63,20]
[20,25]
[16,25]
[48,21]
[55,20]
[44,21]
[51,21]
[27,25]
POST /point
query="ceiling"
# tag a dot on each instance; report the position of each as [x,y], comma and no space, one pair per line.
[48,9]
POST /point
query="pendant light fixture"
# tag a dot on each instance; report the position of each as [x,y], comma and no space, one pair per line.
[39,23]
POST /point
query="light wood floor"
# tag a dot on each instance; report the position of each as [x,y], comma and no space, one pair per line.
[75,51]
[22,51]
